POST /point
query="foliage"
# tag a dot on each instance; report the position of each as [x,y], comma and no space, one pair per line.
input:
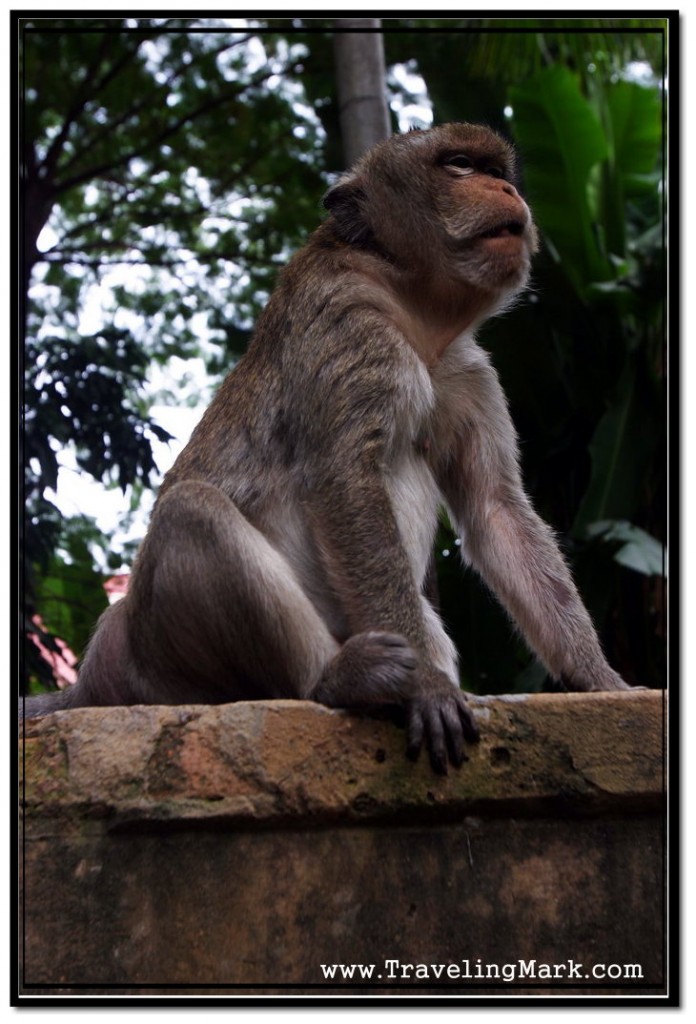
[175,171]
[69,589]
[73,385]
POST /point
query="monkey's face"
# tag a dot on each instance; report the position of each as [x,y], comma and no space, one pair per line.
[442,204]
[487,226]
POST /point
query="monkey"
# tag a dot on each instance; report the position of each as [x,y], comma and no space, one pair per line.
[288,549]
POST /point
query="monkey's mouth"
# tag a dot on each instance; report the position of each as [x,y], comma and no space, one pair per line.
[506,229]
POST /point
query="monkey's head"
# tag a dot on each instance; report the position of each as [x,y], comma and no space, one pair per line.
[441,204]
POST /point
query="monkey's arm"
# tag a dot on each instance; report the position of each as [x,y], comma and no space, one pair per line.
[369,569]
[515,551]
[517,556]
[357,405]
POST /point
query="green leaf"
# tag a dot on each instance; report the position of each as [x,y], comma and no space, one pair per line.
[635,133]
[631,115]
[639,551]
[562,140]
[70,592]
[619,450]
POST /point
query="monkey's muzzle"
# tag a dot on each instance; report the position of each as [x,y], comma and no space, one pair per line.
[507,229]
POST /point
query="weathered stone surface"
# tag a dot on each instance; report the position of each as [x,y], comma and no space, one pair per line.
[271,761]
[248,844]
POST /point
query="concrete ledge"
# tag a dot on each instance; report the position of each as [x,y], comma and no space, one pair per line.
[245,845]
[275,761]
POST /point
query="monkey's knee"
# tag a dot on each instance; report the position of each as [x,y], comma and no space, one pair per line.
[199,547]
[224,603]
[196,512]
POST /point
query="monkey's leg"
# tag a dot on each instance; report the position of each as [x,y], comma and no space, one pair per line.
[217,614]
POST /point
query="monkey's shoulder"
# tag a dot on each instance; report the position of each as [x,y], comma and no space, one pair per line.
[465,372]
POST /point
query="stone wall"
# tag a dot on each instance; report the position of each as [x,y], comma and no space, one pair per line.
[235,849]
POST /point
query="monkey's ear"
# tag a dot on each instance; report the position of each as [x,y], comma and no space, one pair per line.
[345,191]
[346,201]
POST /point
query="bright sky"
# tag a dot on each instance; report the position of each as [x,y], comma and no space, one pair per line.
[78,493]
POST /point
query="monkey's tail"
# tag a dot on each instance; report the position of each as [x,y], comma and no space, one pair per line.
[45,703]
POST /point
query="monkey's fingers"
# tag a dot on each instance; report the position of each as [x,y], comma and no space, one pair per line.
[454,732]
[469,723]
[459,726]
[437,740]
[424,722]
[446,722]
[415,728]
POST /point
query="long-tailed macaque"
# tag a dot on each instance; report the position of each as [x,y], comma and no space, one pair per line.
[289,544]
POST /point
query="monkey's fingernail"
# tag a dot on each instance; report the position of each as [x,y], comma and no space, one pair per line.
[439,762]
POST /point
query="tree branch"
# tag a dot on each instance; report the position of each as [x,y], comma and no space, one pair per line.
[135,108]
[86,88]
[216,101]
[67,259]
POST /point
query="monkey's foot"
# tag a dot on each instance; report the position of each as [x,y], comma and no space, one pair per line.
[443,718]
[370,669]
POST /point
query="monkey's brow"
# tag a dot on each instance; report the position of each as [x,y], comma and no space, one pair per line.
[483,155]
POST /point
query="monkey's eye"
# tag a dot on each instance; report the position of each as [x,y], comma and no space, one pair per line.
[460,162]
[495,172]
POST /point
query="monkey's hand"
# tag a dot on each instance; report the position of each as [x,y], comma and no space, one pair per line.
[377,669]
[604,679]
[439,713]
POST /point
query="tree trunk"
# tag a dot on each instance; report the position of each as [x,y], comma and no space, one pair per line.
[37,204]
[360,79]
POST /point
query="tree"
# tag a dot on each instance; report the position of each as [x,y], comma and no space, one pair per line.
[361,86]
[142,149]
